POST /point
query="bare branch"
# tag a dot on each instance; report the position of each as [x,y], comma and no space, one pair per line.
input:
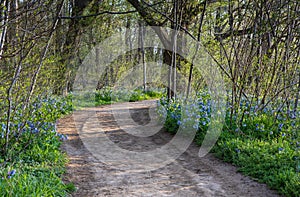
[97,14]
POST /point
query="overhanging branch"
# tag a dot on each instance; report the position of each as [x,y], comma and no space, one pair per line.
[241,32]
[97,14]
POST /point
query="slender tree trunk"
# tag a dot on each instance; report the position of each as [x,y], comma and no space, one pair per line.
[141,54]
[4,13]
[197,49]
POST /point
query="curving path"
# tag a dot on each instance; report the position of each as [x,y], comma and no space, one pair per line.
[188,175]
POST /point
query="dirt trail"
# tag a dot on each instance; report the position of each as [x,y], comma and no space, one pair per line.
[188,175]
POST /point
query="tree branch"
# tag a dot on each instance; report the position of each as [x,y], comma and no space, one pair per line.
[97,14]
[241,32]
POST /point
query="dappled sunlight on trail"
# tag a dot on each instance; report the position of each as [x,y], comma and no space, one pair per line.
[188,175]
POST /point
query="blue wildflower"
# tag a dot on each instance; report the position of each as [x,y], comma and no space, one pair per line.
[3,127]
[265,110]
[31,125]
[179,122]
[280,149]
[62,137]
[280,126]
[292,116]
[208,110]
[10,174]
[172,115]
[208,103]
[35,130]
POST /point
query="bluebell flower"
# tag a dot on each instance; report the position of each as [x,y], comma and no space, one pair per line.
[265,110]
[283,134]
[3,127]
[280,149]
[208,103]
[292,116]
[62,137]
[35,130]
[31,125]
[237,150]
[11,173]
[208,110]
[247,104]
[271,132]
[179,122]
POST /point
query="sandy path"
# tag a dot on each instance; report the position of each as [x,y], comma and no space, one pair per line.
[188,175]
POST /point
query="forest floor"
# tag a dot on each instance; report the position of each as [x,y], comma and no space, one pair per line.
[188,175]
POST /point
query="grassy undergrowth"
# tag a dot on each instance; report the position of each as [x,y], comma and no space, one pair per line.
[109,96]
[275,162]
[262,144]
[32,164]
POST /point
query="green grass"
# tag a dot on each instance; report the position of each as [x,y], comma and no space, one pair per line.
[275,162]
[35,155]
[265,145]
[109,96]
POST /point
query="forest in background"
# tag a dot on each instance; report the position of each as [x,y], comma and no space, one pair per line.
[254,43]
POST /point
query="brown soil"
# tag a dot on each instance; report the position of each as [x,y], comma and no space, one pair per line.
[188,175]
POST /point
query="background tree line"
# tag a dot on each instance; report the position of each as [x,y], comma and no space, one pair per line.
[255,43]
